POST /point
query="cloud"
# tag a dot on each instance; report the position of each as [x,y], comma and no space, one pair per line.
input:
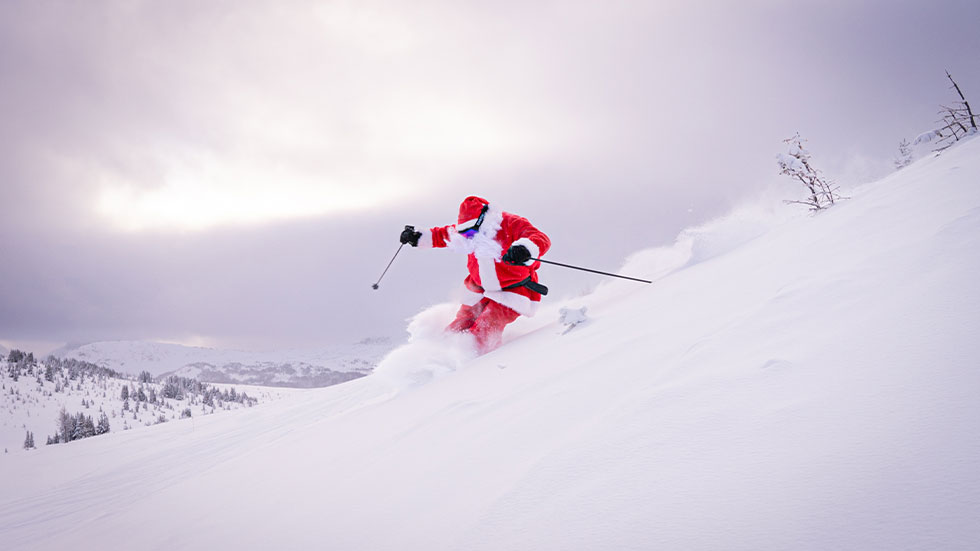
[191,117]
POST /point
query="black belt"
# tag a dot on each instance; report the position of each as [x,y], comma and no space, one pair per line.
[532,285]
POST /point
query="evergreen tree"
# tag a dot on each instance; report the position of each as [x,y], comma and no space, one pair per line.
[103,426]
[77,428]
[88,426]
[125,393]
[65,425]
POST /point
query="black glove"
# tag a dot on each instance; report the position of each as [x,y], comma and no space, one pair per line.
[517,254]
[410,236]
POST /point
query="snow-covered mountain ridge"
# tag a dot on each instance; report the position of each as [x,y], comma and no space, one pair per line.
[788,382]
[301,368]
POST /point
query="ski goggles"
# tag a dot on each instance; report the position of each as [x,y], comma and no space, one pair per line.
[475,228]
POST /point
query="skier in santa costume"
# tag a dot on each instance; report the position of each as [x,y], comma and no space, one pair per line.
[502,283]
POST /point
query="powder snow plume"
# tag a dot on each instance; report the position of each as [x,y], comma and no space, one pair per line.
[430,352]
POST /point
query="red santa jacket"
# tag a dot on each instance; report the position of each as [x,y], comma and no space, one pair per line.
[488,276]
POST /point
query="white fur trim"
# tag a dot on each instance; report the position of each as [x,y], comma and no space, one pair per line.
[484,247]
[470,298]
[488,273]
[518,303]
[469,223]
[535,252]
[426,241]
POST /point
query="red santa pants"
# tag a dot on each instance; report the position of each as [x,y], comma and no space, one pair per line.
[486,321]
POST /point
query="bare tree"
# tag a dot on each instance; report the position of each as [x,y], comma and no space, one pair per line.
[958,121]
[904,158]
[822,193]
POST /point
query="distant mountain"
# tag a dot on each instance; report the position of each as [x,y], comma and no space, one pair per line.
[296,368]
[299,375]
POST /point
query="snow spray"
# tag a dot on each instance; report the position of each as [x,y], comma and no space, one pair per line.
[431,352]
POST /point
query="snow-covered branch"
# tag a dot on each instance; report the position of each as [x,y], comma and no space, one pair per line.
[795,163]
[957,121]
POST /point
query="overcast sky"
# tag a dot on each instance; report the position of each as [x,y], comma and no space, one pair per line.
[237,173]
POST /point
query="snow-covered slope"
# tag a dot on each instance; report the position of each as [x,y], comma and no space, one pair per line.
[807,383]
[306,368]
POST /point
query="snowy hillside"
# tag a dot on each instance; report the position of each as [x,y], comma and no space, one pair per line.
[789,381]
[33,394]
[306,369]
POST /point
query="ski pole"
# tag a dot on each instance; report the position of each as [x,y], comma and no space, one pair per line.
[375,286]
[590,270]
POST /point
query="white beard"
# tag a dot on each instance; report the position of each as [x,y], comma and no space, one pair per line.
[484,247]
[483,244]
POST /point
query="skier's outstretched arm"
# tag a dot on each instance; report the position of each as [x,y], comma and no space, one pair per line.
[434,237]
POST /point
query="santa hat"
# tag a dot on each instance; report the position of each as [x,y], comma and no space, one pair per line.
[471,213]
